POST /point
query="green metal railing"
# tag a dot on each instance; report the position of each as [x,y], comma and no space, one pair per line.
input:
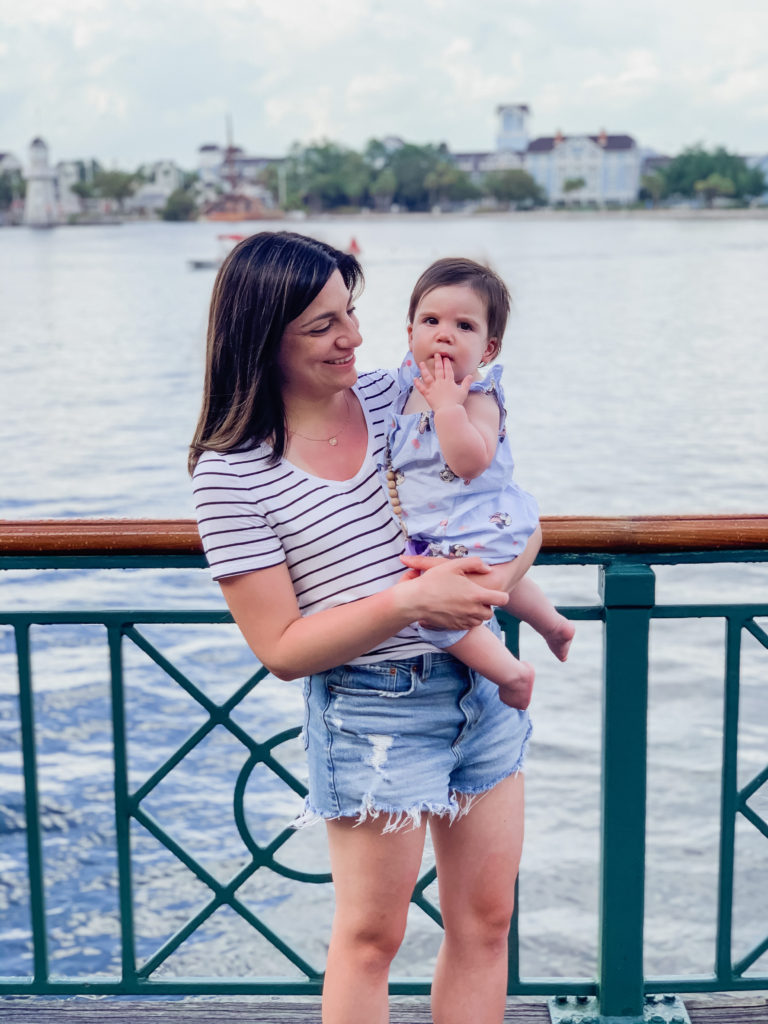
[624,550]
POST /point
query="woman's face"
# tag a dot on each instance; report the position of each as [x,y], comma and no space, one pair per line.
[317,350]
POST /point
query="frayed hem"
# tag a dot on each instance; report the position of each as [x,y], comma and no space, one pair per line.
[472,796]
[397,819]
[309,816]
[516,768]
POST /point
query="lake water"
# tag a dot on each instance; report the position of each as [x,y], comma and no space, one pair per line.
[636,363]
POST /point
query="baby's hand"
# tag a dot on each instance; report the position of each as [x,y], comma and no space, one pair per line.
[440,389]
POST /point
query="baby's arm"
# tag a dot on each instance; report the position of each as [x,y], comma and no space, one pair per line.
[467,426]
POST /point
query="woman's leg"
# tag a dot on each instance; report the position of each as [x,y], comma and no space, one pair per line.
[373,880]
[477,863]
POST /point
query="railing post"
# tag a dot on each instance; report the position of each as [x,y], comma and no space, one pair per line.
[32,808]
[628,596]
[122,808]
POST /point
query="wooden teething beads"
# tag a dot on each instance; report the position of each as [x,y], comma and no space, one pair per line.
[394,498]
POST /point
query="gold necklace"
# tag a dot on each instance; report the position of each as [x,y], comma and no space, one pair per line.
[333,440]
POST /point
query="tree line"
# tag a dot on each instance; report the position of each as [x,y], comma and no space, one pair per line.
[329,176]
[326,176]
[697,173]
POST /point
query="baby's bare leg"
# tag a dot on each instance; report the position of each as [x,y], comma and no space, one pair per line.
[527,601]
[530,604]
[484,652]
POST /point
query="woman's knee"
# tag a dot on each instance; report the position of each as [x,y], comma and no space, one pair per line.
[485,934]
[481,921]
[372,943]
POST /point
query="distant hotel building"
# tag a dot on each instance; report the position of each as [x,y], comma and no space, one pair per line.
[608,164]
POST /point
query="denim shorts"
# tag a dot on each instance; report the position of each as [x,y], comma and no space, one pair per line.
[424,735]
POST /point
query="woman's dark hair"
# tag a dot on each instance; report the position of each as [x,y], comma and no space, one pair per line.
[264,283]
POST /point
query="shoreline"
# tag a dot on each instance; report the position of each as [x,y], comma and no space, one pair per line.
[676,213]
[544,214]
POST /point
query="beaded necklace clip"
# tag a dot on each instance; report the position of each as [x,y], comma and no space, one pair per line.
[394,498]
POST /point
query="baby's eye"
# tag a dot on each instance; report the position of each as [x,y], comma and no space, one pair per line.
[430,319]
[465,325]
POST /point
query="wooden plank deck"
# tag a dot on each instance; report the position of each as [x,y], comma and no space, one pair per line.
[717,1009]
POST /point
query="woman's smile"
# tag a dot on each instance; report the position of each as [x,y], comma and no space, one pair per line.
[328,323]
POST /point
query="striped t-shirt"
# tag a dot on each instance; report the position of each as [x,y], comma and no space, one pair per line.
[339,538]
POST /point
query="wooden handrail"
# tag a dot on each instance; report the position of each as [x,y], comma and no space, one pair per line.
[579,534]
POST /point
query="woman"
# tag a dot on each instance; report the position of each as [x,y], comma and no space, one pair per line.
[309,558]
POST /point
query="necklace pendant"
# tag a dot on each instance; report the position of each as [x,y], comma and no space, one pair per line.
[333,441]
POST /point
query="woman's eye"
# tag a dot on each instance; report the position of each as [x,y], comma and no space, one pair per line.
[351,311]
[321,330]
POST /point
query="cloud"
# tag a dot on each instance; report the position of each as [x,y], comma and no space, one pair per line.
[47,12]
[314,115]
[639,75]
[375,89]
[743,84]
[137,79]
[106,102]
[473,80]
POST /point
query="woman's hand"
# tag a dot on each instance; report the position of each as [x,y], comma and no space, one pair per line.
[502,576]
[447,597]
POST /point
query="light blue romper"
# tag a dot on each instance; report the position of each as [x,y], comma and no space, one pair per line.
[489,516]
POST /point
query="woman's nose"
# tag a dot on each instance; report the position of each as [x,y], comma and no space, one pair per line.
[352,334]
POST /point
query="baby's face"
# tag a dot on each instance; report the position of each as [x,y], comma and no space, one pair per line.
[452,321]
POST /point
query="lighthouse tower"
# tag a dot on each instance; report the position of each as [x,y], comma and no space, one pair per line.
[40,202]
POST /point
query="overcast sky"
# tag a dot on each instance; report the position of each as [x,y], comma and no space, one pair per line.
[128,81]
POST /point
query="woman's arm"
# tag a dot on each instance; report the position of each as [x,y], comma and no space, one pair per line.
[467,425]
[264,606]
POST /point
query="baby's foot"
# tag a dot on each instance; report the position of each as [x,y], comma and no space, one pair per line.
[559,637]
[516,690]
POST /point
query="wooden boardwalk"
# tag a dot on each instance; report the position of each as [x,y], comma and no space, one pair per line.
[718,1009]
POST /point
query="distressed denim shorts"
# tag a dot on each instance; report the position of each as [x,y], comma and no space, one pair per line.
[424,735]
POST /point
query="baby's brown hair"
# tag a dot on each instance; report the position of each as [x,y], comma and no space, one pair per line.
[486,282]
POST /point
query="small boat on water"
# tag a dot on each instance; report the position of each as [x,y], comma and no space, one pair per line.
[227,242]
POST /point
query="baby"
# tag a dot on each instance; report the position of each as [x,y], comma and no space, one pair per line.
[448,464]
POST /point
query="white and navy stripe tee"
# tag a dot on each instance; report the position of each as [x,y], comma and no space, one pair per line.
[339,538]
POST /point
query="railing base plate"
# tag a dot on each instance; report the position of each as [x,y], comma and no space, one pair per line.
[665,1009]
